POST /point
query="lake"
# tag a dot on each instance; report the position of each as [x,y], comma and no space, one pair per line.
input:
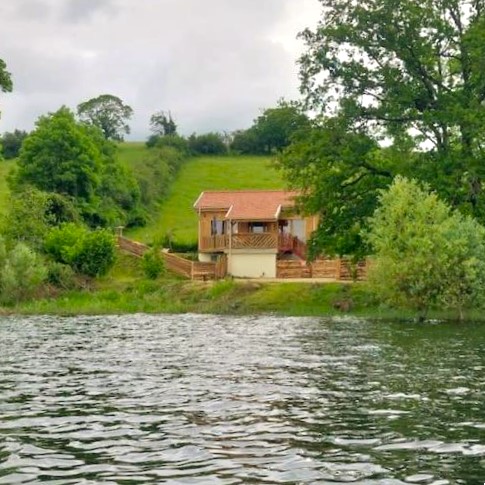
[191,399]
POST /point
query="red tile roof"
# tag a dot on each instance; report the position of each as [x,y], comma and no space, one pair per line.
[249,205]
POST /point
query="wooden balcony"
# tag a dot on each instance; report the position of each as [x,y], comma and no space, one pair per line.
[265,240]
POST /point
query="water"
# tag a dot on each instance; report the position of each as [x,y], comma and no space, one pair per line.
[222,400]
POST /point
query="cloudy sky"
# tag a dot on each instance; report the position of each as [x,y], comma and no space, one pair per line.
[213,63]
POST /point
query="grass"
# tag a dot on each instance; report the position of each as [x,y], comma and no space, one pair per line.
[5,167]
[177,215]
[125,290]
[132,153]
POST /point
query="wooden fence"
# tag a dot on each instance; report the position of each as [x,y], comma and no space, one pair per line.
[335,269]
[194,270]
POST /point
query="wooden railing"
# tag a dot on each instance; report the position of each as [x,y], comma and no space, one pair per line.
[249,240]
[194,270]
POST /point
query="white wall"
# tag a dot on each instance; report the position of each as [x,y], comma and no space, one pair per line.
[252,265]
[205,257]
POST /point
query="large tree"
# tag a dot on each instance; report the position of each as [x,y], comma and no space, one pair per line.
[61,155]
[109,114]
[409,74]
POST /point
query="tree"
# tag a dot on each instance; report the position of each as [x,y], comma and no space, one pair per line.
[246,142]
[275,127]
[425,253]
[11,143]
[207,144]
[410,73]
[32,213]
[162,124]
[61,155]
[109,114]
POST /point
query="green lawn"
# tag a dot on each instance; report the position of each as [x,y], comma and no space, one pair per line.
[206,173]
[5,167]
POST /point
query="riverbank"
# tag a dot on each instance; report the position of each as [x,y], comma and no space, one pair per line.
[125,290]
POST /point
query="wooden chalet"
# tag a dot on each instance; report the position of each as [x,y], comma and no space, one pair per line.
[252,229]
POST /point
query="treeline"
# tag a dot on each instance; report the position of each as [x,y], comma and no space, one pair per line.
[269,134]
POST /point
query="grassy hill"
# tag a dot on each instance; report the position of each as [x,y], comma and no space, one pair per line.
[206,173]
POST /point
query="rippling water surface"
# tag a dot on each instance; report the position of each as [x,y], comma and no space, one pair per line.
[221,400]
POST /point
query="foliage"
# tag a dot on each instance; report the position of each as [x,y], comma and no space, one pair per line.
[410,73]
[162,124]
[245,142]
[61,275]
[338,174]
[275,127]
[97,253]
[108,113]
[72,159]
[61,156]
[425,253]
[272,131]
[21,273]
[207,144]
[173,141]
[91,253]
[153,263]
[31,214]
[11,143]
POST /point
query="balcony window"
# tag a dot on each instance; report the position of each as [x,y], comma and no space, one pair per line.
[257,227]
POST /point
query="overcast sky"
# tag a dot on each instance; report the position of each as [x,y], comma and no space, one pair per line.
[213,63]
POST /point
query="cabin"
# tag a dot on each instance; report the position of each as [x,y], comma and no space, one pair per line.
[252,229]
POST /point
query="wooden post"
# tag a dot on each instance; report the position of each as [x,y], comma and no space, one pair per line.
[339,268]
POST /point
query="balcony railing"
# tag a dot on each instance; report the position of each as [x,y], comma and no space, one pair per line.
[265,240]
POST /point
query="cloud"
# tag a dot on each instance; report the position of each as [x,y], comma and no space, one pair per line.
[213,64]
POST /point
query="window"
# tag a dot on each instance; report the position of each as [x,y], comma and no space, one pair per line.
[257,227]
[217,227]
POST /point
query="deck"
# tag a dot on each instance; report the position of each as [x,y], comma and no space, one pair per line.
[266,240]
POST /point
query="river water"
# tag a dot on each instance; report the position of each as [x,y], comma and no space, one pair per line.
[192,399]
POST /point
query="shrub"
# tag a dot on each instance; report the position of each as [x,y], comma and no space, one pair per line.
[61,275]
[63,242]
[21,275]
[91,253]
[153,263]
[425,253]
[96,254]
[207,144]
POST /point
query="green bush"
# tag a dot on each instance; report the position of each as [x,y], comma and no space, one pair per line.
[91,253]
[21,273]
[425,253]
[153,263]
[96,254]
[61,275]
[63,242]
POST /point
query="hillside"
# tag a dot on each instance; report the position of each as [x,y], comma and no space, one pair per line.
[206,173]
